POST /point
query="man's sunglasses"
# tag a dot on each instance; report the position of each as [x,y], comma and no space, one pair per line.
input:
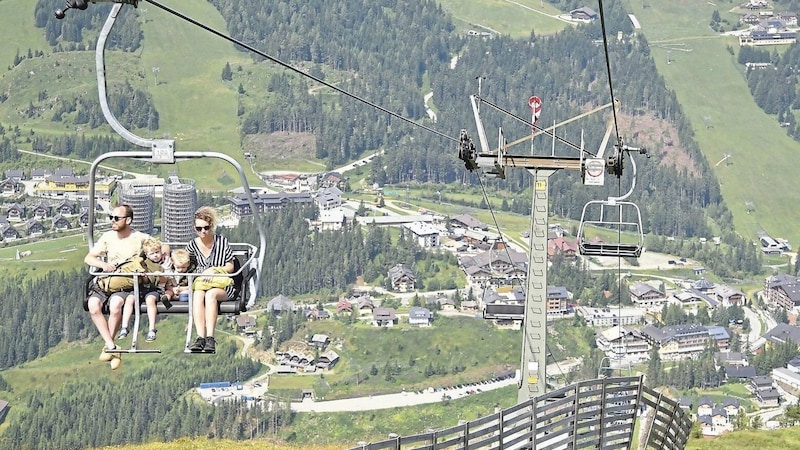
[117,218]
[207,227]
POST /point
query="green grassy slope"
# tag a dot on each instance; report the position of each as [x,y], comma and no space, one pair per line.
[514,18]
[714,94]
[17,32]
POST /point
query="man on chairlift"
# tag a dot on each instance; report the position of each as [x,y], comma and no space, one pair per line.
[112,249]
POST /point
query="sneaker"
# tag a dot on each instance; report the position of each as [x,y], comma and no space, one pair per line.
[151,336]
[116,361]
[123,333]
[198,345]
[105,356]
[211,345]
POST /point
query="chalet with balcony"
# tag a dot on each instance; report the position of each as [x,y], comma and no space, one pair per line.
[64,207]
[61,223]
[15,212]
[644,295]
[467,222]
[402,279]
[583,14]
[246,324]
[320,341]
[33,227]
[8,232]
[504,267]
[11,187]
[729,296]
[41,211]
[384,317]
[676,342]
[622,342]
[327,360]
[561,246]
[783,290]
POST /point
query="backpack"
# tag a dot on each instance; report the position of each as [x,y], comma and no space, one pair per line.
[110,284]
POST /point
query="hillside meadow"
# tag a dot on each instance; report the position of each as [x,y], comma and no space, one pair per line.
[700,66]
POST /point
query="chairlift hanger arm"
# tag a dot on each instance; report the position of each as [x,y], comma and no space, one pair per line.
[549,131]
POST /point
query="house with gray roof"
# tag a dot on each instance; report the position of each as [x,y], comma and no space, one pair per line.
[64,207]
[328,198]
[319,341]
[782,333]
[583,14]
[384,317]
[729,296]
[420,317]
[738,374]
[40,174]
[280,303]
[402,279]
[33,227]
[557,300]
[8,232]
[768,397]
[468,222]
[644,295]
[425,234]
[327,360]
[17,174]
[704,406]
[703,285]
[11,187]
[505,266]
[782,290]
[677,341]
[41,211]
[60,223]
[15,212]
[729,359]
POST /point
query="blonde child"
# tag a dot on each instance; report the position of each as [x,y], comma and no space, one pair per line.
[179,284]
[157,259]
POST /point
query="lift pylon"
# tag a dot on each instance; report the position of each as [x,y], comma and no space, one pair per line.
[532,381]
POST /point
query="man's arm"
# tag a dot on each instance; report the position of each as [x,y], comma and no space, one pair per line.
[93,258]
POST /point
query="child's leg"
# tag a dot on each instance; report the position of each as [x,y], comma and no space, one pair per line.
[152,309]
[127,311]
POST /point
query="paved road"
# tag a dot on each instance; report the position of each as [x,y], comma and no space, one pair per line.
[401,399]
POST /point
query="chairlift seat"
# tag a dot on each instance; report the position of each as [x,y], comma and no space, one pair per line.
[609,249]
[243,273]
[604,220]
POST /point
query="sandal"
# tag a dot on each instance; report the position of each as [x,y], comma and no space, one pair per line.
[151,336]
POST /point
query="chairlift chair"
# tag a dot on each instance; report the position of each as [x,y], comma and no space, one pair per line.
[614,214]
[249,258]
